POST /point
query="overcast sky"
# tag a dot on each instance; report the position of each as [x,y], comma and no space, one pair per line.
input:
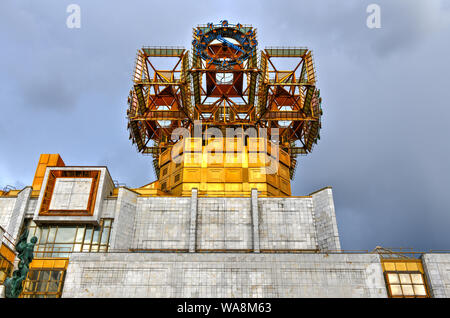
[384,143]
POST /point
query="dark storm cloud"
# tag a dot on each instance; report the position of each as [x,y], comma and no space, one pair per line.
[384,146]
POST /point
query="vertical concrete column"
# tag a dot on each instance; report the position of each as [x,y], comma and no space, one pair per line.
[18,213]
[255,220]
[193,222]
[123,227]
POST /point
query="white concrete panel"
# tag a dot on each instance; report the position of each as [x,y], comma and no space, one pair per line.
[71,194]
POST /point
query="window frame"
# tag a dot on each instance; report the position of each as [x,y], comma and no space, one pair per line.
[389,284]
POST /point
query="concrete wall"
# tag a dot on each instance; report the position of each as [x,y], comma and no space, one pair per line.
[227,223]
[18,213]
[437,269]
[325,220]
[161,223]
[6,208]
[223,275]
[224,223]
[286,223]
[169,223]
[124,221]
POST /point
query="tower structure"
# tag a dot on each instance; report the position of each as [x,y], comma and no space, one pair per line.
[224,117]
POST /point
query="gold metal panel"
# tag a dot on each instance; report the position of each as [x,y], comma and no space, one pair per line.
[233,159]
[233,175]
[165,157]
[284,186]
[177,190]
[178,148]
[388,266]
[192,159]
[259,186]
[190,185]
[214,159]
[283,171]
[176,178]
[193,144]
[165,170]
[234,145]
[192,174]
[412,267]
[256,175]
[257,144]
[45,160]
[7,253]
[233,187]
[215,144]
[400,266]
[215,175]
[284,157]
[272,179]
[216,186]
[272,190]
[175,167]
[49,263]
[258,159]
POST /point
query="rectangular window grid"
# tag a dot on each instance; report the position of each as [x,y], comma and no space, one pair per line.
[405,278]
[43,283]
[61,240]
[406,284]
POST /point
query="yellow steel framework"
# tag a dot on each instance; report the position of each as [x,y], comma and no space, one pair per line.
[224,83]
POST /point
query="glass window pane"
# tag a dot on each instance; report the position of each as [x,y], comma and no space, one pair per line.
[416,278]
[88,236]
[408,290]
[80,234]
[105,235]
[51,235]
[95,237]
[419,290]
[41,286]
[34,232]
[405,279]
[66,234]
[44,235]
[393,279]
[77,248]
[396,290]
[107,222]
[56,275]
[53,286]
[45,276]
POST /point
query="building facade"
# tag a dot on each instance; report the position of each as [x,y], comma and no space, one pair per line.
[99,240]
[225,126]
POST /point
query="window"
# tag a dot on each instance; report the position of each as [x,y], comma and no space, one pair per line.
[70,192]
[61,240]
[405,278]
[5,269]
[406,284]
[44,283]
